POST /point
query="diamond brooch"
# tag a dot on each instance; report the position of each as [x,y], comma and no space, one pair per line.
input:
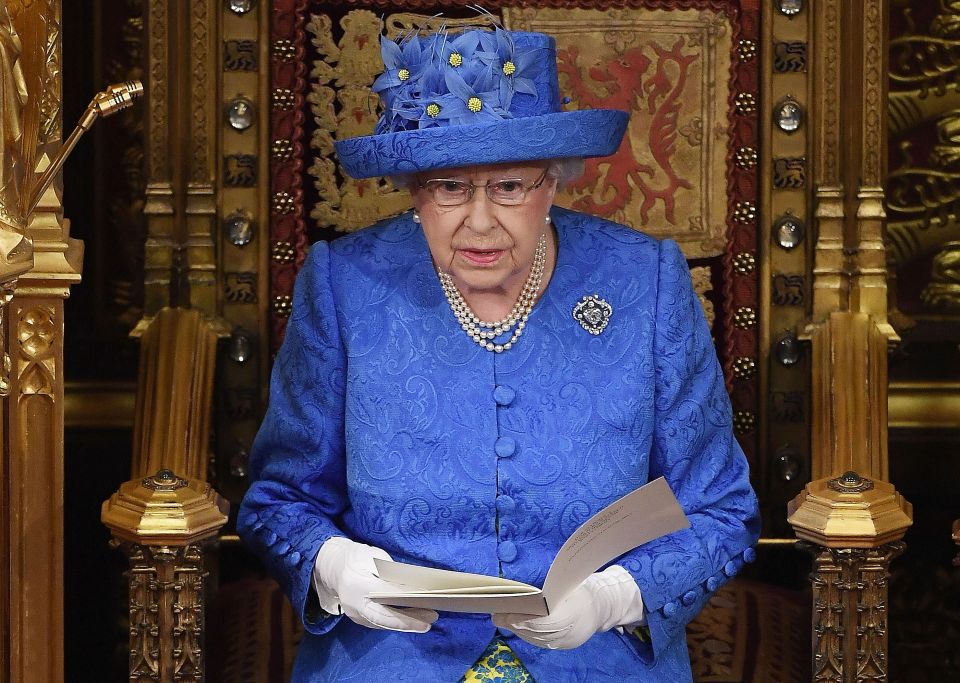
[593,313]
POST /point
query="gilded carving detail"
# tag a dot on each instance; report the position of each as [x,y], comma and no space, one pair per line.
[874,24]
[828,73]
[199,25]
[943,292]
[47,13]
[159,91]
[50,115]
[924,194]
[16,160]
[6,296]
[166,610]
[37,336]
[850,599]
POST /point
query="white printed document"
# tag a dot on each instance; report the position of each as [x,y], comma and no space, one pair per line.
[649,512]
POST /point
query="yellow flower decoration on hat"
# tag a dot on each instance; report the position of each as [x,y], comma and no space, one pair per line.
[433,110]
[509,68]
[403,74]
[474,104]
[456,59]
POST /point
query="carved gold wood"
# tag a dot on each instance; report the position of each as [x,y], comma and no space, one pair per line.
[182,128]
[853,525]
[828,290]
[924,194]
[31,532]
[849,275]
[849,392]
[850,612]
[175,394]
[160,522]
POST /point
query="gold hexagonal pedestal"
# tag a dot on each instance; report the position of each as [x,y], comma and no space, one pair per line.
[849,511]
[164,509]
[853,527]
[159,522]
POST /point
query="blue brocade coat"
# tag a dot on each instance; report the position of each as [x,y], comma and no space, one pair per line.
[388,425]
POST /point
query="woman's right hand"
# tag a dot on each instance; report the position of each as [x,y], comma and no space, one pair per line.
[344,575]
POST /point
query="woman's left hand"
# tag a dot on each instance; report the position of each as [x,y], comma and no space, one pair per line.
[604,600]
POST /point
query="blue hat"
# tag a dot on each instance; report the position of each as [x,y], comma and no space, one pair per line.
[480,97]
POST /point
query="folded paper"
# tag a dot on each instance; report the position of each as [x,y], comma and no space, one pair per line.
[649,512]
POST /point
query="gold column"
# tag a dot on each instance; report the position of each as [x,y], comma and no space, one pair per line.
[181,126]
[848,327]
[171,427]
[31,324]
[852,523]
[160,523]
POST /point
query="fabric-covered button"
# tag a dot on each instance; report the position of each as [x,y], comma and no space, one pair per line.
[281,547]
[292,559]
[689,597]
[730,568]
[507,551]
[270,538]
[506,505]
[505,446]
[503,395]
[713,583]
[749,555]
[669,609]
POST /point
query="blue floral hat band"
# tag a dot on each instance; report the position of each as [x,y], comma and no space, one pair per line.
[480,97]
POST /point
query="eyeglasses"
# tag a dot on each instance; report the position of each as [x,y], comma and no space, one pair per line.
[507,192]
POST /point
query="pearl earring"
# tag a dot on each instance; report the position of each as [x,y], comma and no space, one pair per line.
[546,219]
[416,217]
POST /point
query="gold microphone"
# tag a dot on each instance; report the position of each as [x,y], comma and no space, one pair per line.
[115,98]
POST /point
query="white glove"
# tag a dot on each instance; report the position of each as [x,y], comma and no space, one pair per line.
[344,575]
[604,600]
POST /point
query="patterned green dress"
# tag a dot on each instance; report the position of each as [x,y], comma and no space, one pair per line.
[497,664]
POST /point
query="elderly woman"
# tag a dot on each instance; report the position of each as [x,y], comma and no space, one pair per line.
[464,384]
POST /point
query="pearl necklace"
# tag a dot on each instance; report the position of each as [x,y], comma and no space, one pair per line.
[483,333]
